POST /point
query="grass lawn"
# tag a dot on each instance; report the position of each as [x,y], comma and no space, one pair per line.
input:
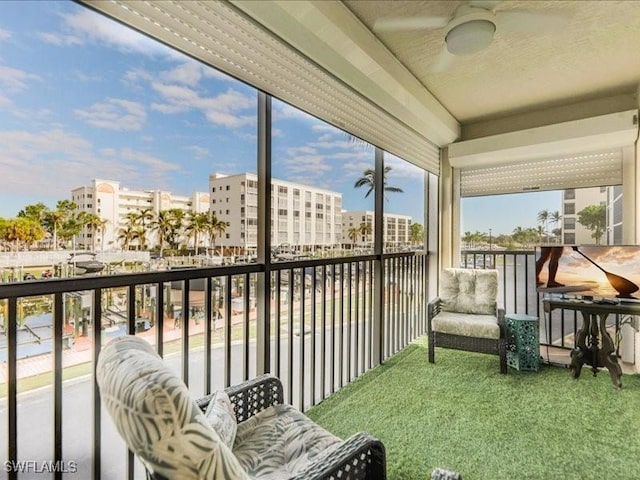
[461,414]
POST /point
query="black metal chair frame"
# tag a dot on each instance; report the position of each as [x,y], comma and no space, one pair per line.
[469,344]
[360,457]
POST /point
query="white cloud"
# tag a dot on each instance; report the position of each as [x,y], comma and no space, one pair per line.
[15,80]
[55,161]
[325,128]
[402,168]
[336,144]
[301,150]
[356,168]
[220,110]
[210,72]
[86,25]
[115,114]
[353,156]
[4,34]
[284,111]
[136,75]
[248,137]
[59,39]
[179,98]
[313,164]
[5,102]
[157,165]
[190,72]
[83,77]
[198,152]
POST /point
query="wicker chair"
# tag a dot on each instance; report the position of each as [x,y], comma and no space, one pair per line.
[466,315]
[170,433]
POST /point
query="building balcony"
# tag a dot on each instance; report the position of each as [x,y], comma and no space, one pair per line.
[327,328]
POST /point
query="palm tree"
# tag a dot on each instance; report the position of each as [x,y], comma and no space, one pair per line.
[145,216]
[197,224]
[163,224]
[369,180]
[177,218]
[103,228]
[216,227]
[365,229]
[55,219]
[543,219]
[92,222]
[134,220]
[353,234]
[555,218]
[128,234]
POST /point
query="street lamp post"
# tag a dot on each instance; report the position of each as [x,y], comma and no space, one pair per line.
[490,247]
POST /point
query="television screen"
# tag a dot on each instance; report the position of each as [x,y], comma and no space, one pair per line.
[600,271]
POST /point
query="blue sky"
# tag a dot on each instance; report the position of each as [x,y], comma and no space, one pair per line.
[503,213]
[82,97]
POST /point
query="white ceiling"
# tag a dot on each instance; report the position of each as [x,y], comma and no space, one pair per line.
[595,55]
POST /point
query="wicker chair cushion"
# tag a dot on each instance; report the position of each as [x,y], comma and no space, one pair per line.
[155,415]
[222,418]
[280,442]
[469,291]
[466,324]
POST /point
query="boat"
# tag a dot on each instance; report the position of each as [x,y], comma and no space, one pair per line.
[84,263]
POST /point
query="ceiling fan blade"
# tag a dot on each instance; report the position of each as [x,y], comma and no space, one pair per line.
[390,24]
[443,61]
[526,21]
[486,4]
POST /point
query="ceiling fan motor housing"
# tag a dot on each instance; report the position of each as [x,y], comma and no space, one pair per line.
[470,31]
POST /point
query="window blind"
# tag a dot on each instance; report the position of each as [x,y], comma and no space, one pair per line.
[555,173]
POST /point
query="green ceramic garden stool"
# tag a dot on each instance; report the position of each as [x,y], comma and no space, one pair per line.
[523,351]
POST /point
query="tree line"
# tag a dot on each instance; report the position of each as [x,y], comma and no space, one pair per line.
[62,224]
[592,217]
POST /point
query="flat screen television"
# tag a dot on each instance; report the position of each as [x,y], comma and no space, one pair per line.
[598,271]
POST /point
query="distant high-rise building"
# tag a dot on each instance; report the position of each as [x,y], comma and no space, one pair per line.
[304,218]
[113,203]
[575,200]
[396,231]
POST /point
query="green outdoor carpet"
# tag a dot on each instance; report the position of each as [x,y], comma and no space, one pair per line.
[461,414]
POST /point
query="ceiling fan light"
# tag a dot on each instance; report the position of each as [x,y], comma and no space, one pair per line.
[470,37]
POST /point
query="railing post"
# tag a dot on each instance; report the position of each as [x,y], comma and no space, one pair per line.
[263,293]
[12,392]
[377,332]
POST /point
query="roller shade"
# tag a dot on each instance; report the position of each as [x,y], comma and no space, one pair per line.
[219,35]
[555,173]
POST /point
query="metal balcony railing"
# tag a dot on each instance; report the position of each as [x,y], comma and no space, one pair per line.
[326,326]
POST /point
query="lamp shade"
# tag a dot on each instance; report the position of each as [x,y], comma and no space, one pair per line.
[470,37]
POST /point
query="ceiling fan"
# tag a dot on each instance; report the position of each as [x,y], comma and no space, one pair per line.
[472,26]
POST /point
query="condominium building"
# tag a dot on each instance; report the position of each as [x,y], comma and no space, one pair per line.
[358,229]
[113,203]
[614,215]
[303,218]
[574,200]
